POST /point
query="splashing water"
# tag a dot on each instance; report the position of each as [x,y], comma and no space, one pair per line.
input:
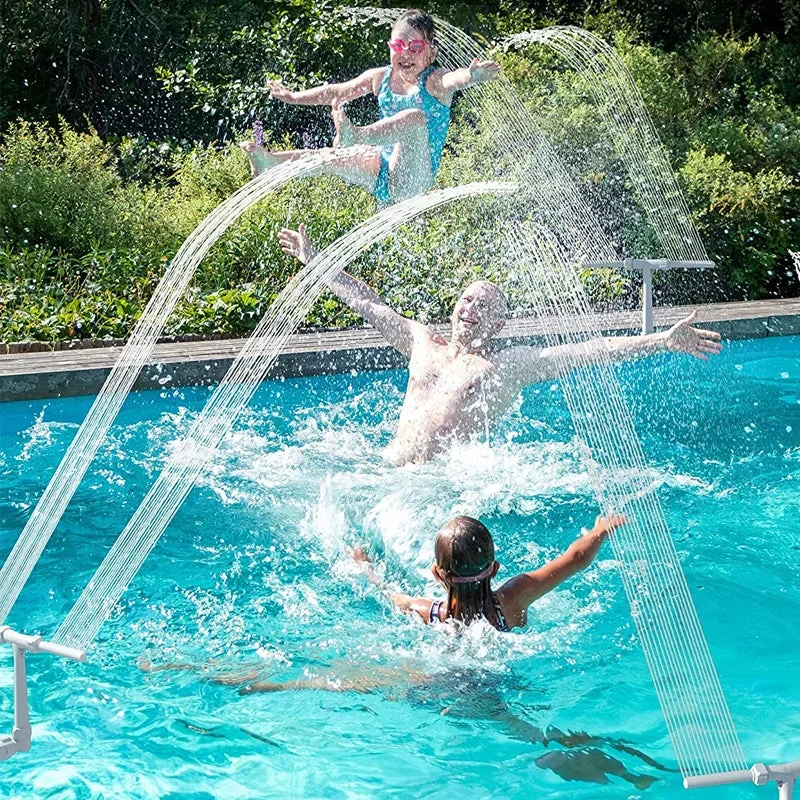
[133,357]
[546,249]
[558,231]
[235,390]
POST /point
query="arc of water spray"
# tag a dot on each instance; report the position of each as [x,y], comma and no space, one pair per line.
[232,395]
[631,131]
[684,676]
[83,448]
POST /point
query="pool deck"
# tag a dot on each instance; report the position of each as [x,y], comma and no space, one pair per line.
[77,371]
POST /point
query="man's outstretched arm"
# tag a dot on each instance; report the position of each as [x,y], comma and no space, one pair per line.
[531,364]
[682,337]
[396,329]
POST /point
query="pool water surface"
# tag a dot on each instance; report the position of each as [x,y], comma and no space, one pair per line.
[252,581]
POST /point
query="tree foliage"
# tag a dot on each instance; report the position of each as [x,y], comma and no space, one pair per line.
[118,122]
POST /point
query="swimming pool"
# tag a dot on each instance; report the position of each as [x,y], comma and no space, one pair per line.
[252,575]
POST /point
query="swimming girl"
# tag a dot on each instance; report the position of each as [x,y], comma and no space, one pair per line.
[398,156]
[465,565]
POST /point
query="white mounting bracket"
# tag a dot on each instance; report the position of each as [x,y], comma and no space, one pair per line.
[784,776]
[20,739]
[647,265]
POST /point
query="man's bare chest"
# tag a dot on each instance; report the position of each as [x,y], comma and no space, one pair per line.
[443,375]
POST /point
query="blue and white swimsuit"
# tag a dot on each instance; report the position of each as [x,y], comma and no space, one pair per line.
[437,118]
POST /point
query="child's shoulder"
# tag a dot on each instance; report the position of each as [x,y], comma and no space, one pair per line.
[433,83]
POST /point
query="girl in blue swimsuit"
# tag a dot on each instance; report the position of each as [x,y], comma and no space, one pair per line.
[465,565]
[398,156]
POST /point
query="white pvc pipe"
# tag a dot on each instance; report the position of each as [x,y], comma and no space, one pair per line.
[21,643]
[653,263]
[665,263]
[647,265]
[35,644]
[647,299]
[784,775]
[21,735]
[717,779]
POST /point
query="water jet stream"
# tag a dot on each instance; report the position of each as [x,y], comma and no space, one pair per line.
[65,480]
[547,250]
[188,461]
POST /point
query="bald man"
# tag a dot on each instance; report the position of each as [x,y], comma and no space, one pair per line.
[459,388]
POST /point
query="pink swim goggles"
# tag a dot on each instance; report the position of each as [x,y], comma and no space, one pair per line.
[414,46]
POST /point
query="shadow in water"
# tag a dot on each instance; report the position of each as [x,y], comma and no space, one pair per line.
[465,696]
[572,755]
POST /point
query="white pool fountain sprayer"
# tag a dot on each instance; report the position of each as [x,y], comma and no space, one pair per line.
[784,775]
[647,266]
[20,739]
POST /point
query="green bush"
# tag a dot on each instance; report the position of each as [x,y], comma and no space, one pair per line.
[723,108]
[57,189]
[224,72]
[742,218]
[88,225]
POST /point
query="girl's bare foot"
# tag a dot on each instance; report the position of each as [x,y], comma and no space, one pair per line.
[346,132]
[260,158]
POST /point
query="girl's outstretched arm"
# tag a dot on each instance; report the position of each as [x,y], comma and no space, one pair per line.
[403,602]
[443,85]
[330,92]
[521,590]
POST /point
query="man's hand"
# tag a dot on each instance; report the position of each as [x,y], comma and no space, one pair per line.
[483,71]
[297,244]
[277,91]
[682,337]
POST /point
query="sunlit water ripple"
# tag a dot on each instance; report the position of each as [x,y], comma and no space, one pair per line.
[253,577]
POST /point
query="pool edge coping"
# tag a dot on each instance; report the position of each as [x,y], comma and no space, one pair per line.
[64,373]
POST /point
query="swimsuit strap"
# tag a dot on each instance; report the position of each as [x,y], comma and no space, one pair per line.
[387,73]
[422,78]
[500,618]
[433,614]
[437,117]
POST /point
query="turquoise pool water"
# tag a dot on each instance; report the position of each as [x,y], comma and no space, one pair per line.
[253,576]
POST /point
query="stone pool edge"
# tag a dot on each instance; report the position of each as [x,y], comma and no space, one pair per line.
[64,373]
